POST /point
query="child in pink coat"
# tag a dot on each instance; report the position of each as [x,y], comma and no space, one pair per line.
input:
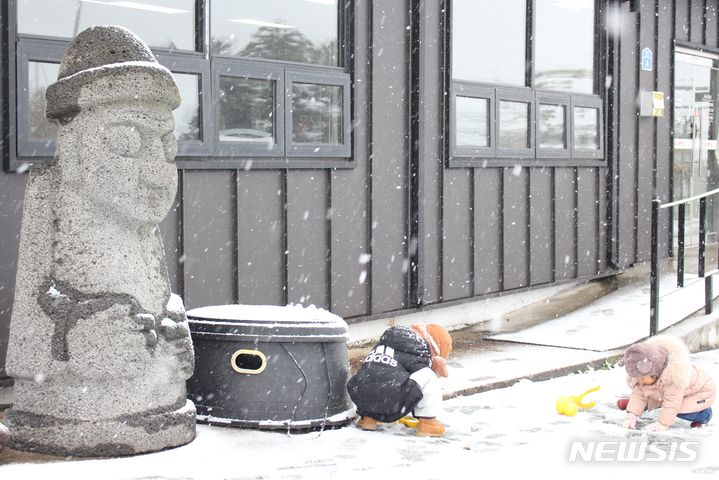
[662,375]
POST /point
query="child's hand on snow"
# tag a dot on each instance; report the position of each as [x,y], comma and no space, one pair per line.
[630,421]
[656,427]
[439,366]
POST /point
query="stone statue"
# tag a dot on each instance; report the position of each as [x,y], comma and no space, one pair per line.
[99,347]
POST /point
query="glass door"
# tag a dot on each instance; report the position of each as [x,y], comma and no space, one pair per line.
[696,167]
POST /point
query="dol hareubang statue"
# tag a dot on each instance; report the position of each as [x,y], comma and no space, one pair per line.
[99,347]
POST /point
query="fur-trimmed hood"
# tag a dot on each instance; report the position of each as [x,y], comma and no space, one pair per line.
[682,387]
[678,367]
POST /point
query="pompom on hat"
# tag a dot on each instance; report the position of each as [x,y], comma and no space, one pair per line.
[440,345]
[643,359]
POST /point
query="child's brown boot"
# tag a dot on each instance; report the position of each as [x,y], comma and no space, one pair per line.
[430,427]
[367,423]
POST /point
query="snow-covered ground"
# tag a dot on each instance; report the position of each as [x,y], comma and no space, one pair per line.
[507,432]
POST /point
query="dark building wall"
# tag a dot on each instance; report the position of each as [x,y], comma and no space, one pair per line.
[641,169]
[341,239]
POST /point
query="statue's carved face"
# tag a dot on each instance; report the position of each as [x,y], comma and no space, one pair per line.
[126,160]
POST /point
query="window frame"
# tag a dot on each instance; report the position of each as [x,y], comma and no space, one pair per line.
[293,149]
[209,152]
[28,51]
[595,103]
[546,98]
[250,70]
[476,92]
[516,95]
[184,64]
[462,157]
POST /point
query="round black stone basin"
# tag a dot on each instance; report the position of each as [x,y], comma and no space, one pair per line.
[270,367]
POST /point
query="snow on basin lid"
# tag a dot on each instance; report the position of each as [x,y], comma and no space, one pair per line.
[267,320]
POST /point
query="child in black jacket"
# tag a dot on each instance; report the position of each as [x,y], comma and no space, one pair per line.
[399,376]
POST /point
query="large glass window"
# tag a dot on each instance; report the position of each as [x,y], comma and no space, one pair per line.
[303,31]
[564,52]
[258,79]
[160,23]
[528,67]
[493,31]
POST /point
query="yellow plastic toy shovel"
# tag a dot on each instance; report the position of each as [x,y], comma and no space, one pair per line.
[569,405]
[409,422]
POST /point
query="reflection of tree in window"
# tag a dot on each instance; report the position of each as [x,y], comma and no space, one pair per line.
[40,127]
[513,125]
[585,128]
[551,126]
[193,128]
[316,113]
[288,44]
[282,44]
[187,115]
[40,75]
[246,109]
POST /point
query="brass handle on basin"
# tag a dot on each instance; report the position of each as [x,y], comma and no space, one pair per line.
[252,362]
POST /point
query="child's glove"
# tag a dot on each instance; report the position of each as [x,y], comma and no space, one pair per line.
[630,421]
[655,427]
[439,366]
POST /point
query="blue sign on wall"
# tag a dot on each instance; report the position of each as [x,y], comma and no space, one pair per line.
[647,59]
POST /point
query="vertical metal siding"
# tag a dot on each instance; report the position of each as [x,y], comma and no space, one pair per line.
[565,223]
[516,225]
[627,139]
[307,237]
[541,242]
[603,228]
[431,138]
[681,19]
[587,221]
[488,221]
[260,235]
[646,136]
[457,264]
[350,248]
[665,47]
[389,156]
[712,23]
[210,237]
[696,21]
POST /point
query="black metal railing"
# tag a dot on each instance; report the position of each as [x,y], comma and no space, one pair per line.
[701,254]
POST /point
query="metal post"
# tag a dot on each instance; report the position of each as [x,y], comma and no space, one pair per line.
[708,295]
[680,246]
[654,276]
[702,235]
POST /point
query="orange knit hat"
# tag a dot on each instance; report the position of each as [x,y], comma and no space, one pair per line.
[440,342]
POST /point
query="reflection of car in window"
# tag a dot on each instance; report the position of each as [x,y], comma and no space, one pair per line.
[245,135]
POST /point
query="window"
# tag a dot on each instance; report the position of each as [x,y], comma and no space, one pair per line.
[523,81]
[260,81]
[66,18]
